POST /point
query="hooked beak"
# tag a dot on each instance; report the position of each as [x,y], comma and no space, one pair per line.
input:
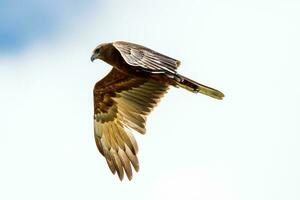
[94,57]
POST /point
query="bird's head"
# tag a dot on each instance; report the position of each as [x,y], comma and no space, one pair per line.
[100,52]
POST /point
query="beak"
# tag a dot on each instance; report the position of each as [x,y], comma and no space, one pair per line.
[93,57]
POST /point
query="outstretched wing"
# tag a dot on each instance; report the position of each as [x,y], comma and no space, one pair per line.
[137,55]
[121,104]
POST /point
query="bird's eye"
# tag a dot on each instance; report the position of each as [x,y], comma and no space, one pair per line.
[97,51]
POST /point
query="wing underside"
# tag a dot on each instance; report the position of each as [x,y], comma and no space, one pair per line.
[122,104]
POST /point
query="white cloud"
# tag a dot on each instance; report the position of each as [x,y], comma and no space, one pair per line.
[245,147]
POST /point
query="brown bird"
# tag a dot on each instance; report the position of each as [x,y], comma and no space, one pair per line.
[123,99]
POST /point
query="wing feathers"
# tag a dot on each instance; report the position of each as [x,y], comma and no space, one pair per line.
[134,105]
[121,106]
[128,139]
[137,55]
[133,159]
[126,163]
[118,163]
[110,163]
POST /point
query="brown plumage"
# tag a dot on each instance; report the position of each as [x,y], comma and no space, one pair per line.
[124,98]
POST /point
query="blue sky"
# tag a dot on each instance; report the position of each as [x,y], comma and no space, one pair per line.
[22,22]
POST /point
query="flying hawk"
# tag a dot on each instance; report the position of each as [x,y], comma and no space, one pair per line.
[123,99]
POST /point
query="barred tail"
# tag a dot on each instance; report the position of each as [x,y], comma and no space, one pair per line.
[193,86]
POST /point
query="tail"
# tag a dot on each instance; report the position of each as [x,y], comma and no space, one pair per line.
[193,86]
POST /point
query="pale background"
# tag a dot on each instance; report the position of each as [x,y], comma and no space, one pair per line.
[243,148]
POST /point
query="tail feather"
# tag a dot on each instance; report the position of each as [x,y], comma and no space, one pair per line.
[193,86]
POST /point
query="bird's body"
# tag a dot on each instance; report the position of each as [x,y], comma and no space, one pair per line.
[124,98]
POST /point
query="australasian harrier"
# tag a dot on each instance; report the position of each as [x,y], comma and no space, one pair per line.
[124,98]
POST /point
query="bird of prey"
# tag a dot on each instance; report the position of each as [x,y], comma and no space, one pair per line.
[127,94]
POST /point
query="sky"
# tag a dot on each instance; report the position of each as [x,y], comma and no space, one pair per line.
[244,147]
